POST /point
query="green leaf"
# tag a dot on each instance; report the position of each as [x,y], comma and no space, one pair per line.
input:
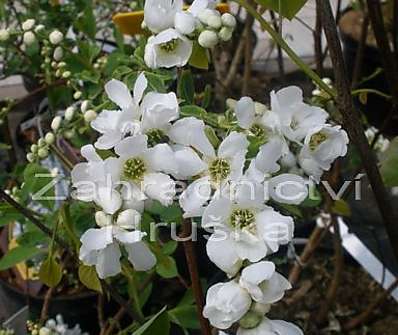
[159,324]
[287,8]
[192,110]
[186,87]
[169,247]
[212,136]
[185,316]
[18,255]
[199,57]
[389,164]
[206,97]
[4,146]
[89,278]
[32,238]
[50,272]
[86,22]
[166,267]
[341,207]
[170,214]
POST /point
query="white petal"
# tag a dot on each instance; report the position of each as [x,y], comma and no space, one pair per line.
[108,140]
[109,199]
[106,121]
[245,112]
[198,6]
[140,256]
[185,23]
[217,213]
[97,239]
[281,327]
[139,88]
[108,261]
[195,196]
[160,187]
[161,158]
[127,237]
[269,154]
[89,153]
[159,14]
[188,162]
[129,219]
[232,145]
[221,252]
[119,93]
[288,189]
[190,131]
[132,146]
[250,247]
[274,289]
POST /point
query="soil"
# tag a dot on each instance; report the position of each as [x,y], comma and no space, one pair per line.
[356,291]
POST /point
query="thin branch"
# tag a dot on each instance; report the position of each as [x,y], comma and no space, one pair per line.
[281,65]
[318,42]
[352,123]
[248,54]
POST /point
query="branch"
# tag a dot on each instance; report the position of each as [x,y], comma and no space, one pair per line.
[352,123]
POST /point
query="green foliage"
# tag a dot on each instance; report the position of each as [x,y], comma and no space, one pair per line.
[86,22]
[199,57]
[186,87]
[50,272]
[287,8]
[17,255]
[168,214]
[389,164]
[185,313]
[89,278]
[166,266]
[159,324]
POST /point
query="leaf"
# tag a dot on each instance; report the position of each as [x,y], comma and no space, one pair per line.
[389,164]
[341,207]
[206,97]
[89,278]
[166,267]
[32,238]
[18,255]
[212,136]
[186,87]
[50,272]
[169,247]
[86,22]
[363,98]
[170,214]
[199,57]
[185,316]
[4,146]
[159,324]
[287,8]
[192,110]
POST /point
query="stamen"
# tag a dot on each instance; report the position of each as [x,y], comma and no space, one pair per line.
[219,169]
[134,169]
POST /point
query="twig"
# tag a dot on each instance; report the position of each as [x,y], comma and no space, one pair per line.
[352,123]
[281,65]
[46,305]
[190,255]
[100,312]
[318,42]
[248,54]
[364,316]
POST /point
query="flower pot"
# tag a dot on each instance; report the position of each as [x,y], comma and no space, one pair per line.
[377,108]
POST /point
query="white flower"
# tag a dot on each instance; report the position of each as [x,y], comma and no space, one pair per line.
[39,28]
[69,113]
[207,15]
[228,20]
[90,115]
[114,125]
[264,284]
[145,168]
[49,138]
[29,38]
[56,37]
[218,170]
[322,146]
[271,327]
[95,180]
[159,14]
[225,34]
[208,39]
[296,117]
[167,49]
[244,229]
[226,303]
[101,247]
[288,188]
[28,24]
[56,123]
[4,35]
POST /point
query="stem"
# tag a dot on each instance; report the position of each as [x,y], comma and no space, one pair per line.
[289,51]
[69,165]
[318,42]
[194,274]
[248,54]
[352,123]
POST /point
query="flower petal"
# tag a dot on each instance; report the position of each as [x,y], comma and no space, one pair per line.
[119,93]
[288,188]
[245,112]
[235,143]
[161,158]
[195,196]
[108,261]
[132,146]
[140,256]
[139,87]
[160,187]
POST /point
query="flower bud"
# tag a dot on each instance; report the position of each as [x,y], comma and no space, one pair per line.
[185,23]
[228,20]
[128,219]
[56,37]
[42,153]
[90,115]
[84,106]
[41,142]
[30,157]
[214,21]
[225,34]
[28,24]
[44,331]
[56,123]
[77,95]
[69,113]
[204,15]
[69,134]
[49,138]
[58,53]
[250,320]
[39,28]
[208,39]
[102,219]
[29,38]
[34,148]
[66,74]
[4,35]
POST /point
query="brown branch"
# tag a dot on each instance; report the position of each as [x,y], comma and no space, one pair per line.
[360,51]
[248,54]
[281,65]
[46,305]
[365,315]
[190,255]
[352,123]
[318,42]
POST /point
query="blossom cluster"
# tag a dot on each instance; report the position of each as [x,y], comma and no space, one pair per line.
[56,326]
[177,32]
